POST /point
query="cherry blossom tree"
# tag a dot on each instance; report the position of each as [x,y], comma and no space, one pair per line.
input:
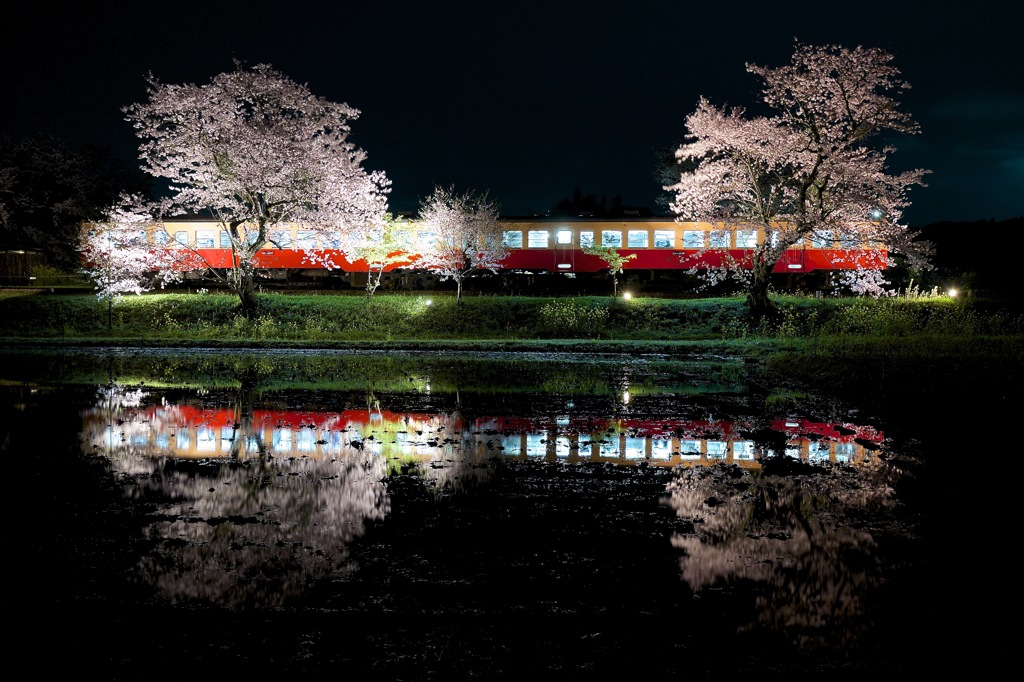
[461,234]
[809,168]
[381,245]
[258,151]
[119,257]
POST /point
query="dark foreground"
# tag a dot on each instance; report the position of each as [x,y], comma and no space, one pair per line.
[509,581]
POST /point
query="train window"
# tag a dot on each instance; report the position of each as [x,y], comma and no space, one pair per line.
[307,239]
[160,236]
[225,239]
[512,239]
[283,238]
[332,240]
[822,239]
[611,238]
[181,238]
[746,239]
[844,452]
[538,239]
[563,236]
[664,239]
[693,239]
[586,239]
[204,239]
[636,239]
[719,239]
[848,241]
[425,240]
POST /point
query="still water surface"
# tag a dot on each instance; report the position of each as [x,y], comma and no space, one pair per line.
[685,492]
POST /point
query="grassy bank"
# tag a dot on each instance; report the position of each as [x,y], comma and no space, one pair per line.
[332,319]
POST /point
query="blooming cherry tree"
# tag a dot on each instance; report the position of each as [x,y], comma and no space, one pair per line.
[257,151]
[381,245]
[807,169]
[461,234]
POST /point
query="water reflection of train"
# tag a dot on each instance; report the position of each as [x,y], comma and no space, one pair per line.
[188,431]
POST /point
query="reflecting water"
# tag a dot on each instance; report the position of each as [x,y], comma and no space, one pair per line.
[262,494]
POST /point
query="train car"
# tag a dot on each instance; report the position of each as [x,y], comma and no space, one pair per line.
[659,250]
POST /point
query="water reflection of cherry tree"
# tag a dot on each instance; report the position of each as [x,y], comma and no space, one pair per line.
[243,530]
[804,532]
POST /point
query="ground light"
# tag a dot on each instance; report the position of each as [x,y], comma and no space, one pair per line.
[427,302]
[952,293]
[626,296]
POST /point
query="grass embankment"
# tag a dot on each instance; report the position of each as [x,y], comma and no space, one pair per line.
[914,347]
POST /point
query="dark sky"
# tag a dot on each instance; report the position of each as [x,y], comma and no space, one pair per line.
[529,100]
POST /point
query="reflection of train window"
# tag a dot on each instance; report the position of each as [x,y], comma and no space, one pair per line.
[818,450]
[563,446]
[282,441]
[513,445]
[661,448]
[717,449]
[306,440]
[163,440]
[664,239]
[793,451]
[611,238]
[536,445]
[181,438]
[636,239]
[743,449]
[844,452]
[689,449]
[586,239]
[512,239]
[537,239]
[610,447]
[635,448]
[206,439]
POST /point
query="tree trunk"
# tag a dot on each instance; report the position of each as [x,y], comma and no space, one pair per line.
[245,286]
[458,290]
[759,305]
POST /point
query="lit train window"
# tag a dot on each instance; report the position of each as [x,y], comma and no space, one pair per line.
[746,239]
[664,239]
[848,241]
[538,239]
[204,239]
[693,239]
[563,236]
[817,451]
[512,239]
[661,448]
[283,238]
[586,239]
[225,239]
[160,237]
[822,239]
[332,240]
[425,240]
[611,238]
[636,239]
[719,239]
[307,239]
[181,238]
[844,452]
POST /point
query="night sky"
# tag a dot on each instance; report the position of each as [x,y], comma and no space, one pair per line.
[531,100]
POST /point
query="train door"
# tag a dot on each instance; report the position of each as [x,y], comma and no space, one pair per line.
[564,253]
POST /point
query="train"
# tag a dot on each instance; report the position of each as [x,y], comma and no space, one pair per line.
[545,252]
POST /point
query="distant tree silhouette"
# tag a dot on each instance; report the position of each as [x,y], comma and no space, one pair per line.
[589,205]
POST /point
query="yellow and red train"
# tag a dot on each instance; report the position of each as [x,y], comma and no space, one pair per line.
[661,249]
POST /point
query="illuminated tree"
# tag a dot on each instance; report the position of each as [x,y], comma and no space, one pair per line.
[807,169]
[382,245]
[615,261]
[119,258]
[461,235]
[257,151]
